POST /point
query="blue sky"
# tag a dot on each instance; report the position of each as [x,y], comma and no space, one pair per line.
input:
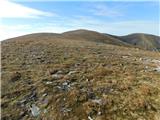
[19,17]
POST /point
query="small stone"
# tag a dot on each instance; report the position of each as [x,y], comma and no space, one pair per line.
[146,67]
[45,101]
[23,101]
[98,101]
[90,118]
[71,72]
[65,83]
[66,110]
[157,69]
[99,113]
[76,65]
[45,111]
[124,56]
[64,86]
[45,94]
[48,82]
[60,72]
[57,76]
[35,110]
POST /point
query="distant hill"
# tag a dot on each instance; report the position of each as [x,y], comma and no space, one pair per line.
[146,41]
[88,35]
[139,40]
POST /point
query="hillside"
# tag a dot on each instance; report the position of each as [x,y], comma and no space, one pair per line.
[137,40]
[46,76]
[92,36]
[146,41]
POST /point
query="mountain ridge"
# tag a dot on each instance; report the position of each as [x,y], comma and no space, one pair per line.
[139,40]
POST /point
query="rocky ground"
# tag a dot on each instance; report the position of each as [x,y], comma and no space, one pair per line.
[78,80]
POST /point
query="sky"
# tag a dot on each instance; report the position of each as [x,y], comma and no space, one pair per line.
[117,17]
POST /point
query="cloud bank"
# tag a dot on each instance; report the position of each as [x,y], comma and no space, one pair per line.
[13,10]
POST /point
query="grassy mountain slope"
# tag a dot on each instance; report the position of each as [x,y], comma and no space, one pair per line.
[139,40]
[92,36]
[146,41]
[69,79]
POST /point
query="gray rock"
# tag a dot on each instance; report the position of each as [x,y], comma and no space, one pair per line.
[48,82]
[71,72]
[57,76]
[89,117]
[64,86]
[98,101]
[157,69]
[45,94]
[35,110]
[45,111]
[60,72]
[66,110]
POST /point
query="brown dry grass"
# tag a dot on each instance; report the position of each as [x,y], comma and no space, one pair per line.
[127,89]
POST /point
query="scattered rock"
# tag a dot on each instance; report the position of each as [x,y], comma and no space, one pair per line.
[77,64]
[89,117]
[64,86]
[45,111]
[60,72]
[22,102]
[57,76]
[28,98]
[125,57]
[156,61]
[99,113]
[45,94]
[35,110]
[45,102]
[98,101]
[71,72]
[32,95]
[106,90]
[48,82]
[66,110]
[157,69]
[146,67]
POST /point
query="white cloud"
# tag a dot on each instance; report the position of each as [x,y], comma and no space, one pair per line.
[10,9]
[104,10]
[81,22]
[117,27]
[9,31]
